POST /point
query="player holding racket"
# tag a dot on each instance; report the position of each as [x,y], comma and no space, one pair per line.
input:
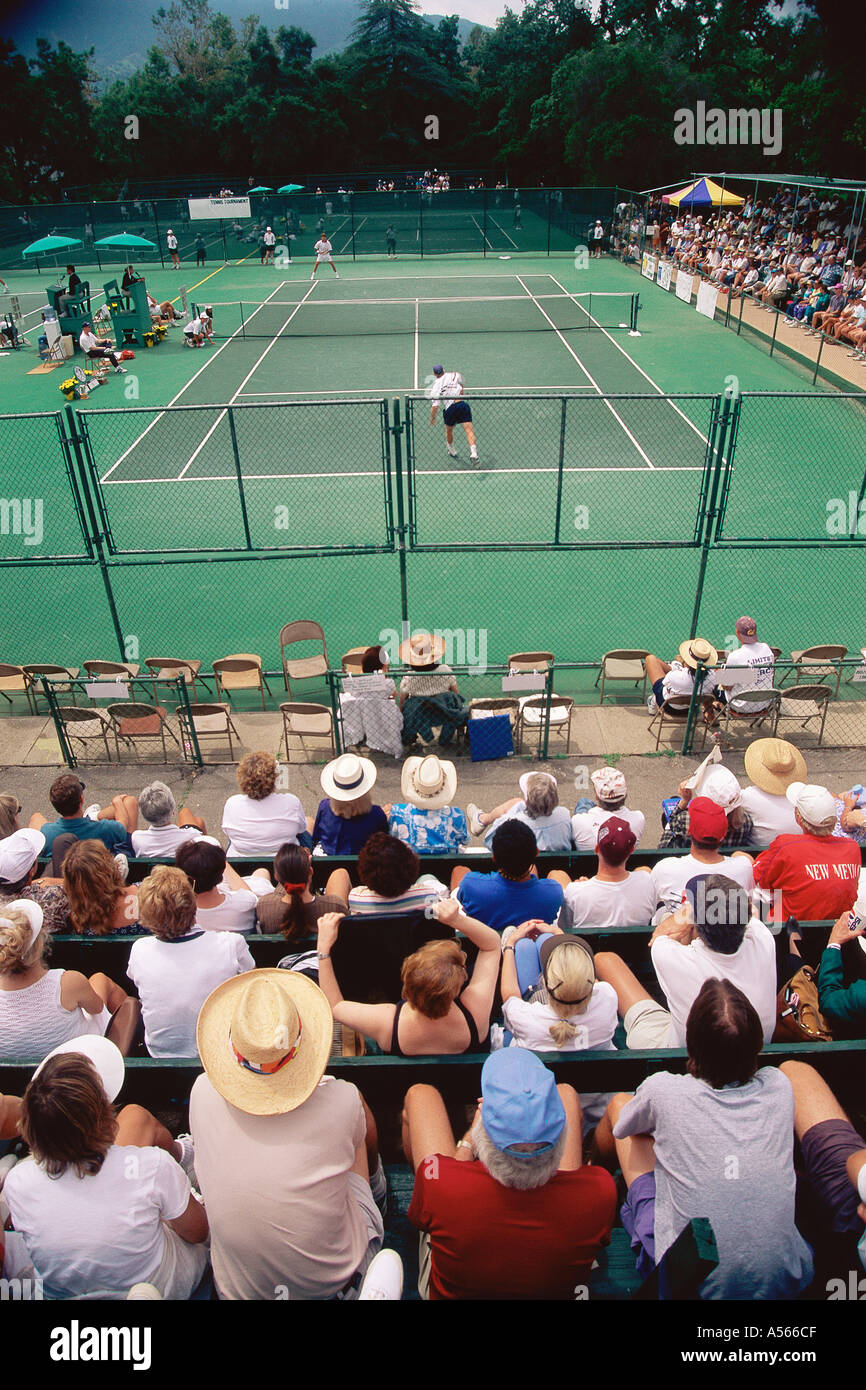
[323,250]
[448,386]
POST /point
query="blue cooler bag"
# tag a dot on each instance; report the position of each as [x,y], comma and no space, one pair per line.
[490,737]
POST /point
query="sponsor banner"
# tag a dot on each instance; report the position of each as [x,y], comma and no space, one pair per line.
[685,285]
[648,267]
[707,296]
[200,209]
[664,275]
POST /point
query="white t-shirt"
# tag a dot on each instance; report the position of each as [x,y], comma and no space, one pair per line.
[323,249]
[771,814]
[174,978]
[670,876]
[682,970]
[585,825]
[750,654]
[447,387]
[678,681]
[270,239]
[260,827]
[193,327]
[236,912]
[598,903]
[171,242]
[161,841]
[531,1023]
[102,1232]
[87,341]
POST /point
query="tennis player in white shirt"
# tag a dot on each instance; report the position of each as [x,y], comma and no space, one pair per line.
[448,386]
[323,250]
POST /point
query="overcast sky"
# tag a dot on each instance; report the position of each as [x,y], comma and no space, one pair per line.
[482,11]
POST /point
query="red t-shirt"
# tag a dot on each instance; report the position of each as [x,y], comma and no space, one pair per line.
[817,874]
[490,1241]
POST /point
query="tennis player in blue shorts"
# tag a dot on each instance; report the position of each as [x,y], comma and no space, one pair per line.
[448,386]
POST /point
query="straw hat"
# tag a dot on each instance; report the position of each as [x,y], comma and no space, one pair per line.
[695,650]
[105,1055]
[773,764]
[348,778]
[421,649]
[264,1039]
[428,782]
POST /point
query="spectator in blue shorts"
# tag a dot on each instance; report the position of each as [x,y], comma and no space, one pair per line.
[448,386]
[514,893]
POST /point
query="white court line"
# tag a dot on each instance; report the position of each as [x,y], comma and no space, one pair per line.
[484,235]
[250,373]
[354,234]
[416,350]
[421,472]
[510,391]
[569,348]
[644,374]
[507,237]
[210,359]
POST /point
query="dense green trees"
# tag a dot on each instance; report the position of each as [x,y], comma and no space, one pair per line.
[552,92]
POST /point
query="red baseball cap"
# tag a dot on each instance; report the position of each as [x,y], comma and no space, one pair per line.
[707,820]
[617,835]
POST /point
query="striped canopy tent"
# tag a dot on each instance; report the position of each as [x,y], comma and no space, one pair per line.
[703,194]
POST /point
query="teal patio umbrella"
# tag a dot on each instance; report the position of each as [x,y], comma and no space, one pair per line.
[126,240]
[261,189]
[290,188]
[48,244]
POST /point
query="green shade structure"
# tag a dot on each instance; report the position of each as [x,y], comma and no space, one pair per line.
[290,188]
[47,244]
[126,239]
[262,189]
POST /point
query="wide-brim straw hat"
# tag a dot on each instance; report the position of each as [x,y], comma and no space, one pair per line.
[773,764]
[696,649]
[349,777]
[428,782]
[264,1039]
[422,649]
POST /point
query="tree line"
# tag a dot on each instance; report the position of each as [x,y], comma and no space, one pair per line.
[552,93]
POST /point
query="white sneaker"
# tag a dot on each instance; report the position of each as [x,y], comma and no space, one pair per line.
[384,1279]
[141,1292]
[123,865]
[92,812]
[473,455]
[336,274]
[451,450]
[473,817]
[187,1158]
[313,276]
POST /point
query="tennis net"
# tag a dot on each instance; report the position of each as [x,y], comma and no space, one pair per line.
[519,313]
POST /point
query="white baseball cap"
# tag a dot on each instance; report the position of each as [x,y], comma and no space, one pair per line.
[609,783]
[815,804]
[721,786]
[18,853]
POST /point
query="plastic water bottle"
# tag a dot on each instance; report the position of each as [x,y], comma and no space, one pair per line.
[857,915]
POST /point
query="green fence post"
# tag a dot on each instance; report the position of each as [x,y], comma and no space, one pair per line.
[78,439]
[560,470]
[694,706]
[65,746]
[706,521]
[183,692]
[240,477]
[397,430]
[335,710]
[545,723]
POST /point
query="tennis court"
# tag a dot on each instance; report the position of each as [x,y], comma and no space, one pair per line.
[278,438]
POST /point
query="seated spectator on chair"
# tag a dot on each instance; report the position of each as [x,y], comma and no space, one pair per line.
[538,807]
[40,1008]
[825,320]
[19,858]
[346,818]
[72,290]
[510,1211]
[611,790]
[112,824]
[443,1009]
[429,694]
[710,934]
[674,1145]
[95,348]
[286,1157]
[224,900]
[513,893]
[676,680]
[816,872]
[294,908]
[177,967]
[775,290]
[166,829]
[708,826]
[772,764]
[733,680]
[615,896]
[389,872]
[720,786]
[427,821]
[259,819]
[832,1183]
[95,885]
[369,709]
[103,1202]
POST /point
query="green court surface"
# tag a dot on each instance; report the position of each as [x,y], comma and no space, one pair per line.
[588,436]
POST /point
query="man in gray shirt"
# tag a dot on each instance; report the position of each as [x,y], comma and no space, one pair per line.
[717,1143]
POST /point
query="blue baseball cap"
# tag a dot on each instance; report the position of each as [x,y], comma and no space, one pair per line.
[521,1102]
[438,371]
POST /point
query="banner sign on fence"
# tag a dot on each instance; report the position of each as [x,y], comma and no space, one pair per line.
[664,275]
[707,296]
[685,285]
[200,209]
[648,267]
